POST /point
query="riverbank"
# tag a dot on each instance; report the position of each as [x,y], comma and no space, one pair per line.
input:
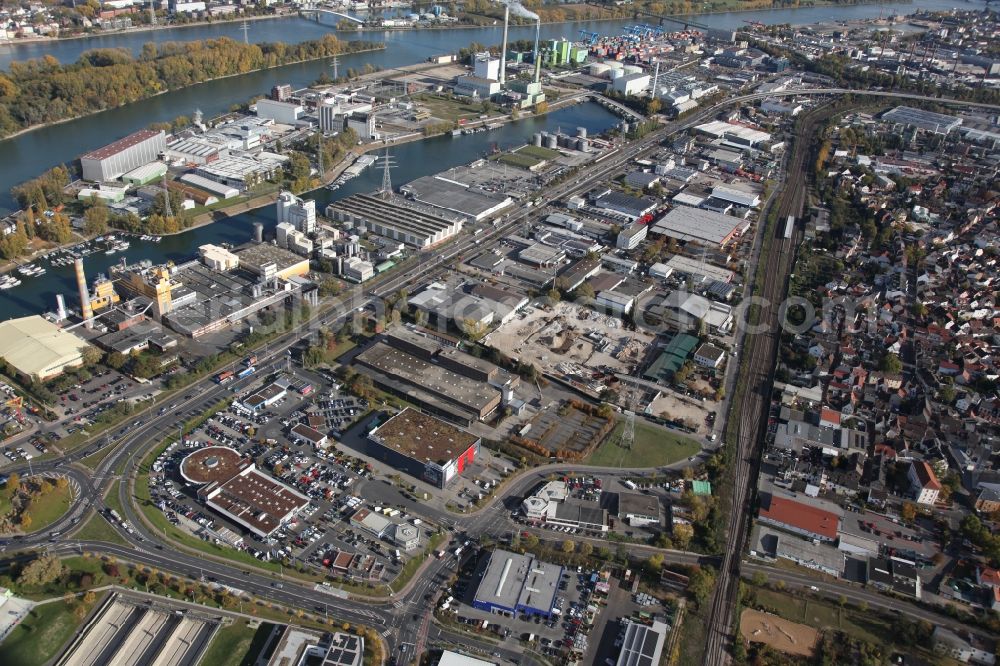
[218,214]
[142,28]
[54,123]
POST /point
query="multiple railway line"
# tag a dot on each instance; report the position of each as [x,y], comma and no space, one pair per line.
[760,349]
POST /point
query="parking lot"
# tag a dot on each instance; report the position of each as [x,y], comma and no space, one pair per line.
[321,536]
[575,611]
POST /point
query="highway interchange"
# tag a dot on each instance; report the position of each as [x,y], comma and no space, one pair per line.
[401,619]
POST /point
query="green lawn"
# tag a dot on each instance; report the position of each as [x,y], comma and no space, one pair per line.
[98,529]
[823,615]
[653,446]
[519,160]
[40,636]
[49,508]
[44,510]
[111,499]
[230,645]
[539,152]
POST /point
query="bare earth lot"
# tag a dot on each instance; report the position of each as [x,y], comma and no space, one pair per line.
[789,637]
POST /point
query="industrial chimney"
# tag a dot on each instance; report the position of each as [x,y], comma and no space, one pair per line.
[503,45]
[81,283]
[258,232]
[538,56]
[60,307]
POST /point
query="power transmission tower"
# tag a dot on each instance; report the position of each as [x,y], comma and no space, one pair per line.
[246,32]
[387,164]
[166,198]
[152,13]
[319,153]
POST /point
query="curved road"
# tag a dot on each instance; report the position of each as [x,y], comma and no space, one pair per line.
[396,618]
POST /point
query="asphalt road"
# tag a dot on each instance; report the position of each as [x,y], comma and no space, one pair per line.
[393,617]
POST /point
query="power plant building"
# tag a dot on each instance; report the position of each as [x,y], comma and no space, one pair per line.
[115,159]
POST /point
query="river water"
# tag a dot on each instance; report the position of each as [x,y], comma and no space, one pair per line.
[27,155]
[413,160]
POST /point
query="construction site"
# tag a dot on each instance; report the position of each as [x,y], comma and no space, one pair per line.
[576,344]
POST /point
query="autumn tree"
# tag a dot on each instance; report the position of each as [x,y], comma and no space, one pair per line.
[41,571]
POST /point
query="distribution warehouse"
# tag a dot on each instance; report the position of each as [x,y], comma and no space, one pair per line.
[38,349]
[702,226]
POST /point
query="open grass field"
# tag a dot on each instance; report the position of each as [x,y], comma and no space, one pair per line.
[231,645]
[822,615]
[41,635]
[781,634]
[653,447]
[519,160]
[452,109]
[44,509]
[49,508]
[539,152]
[98,529]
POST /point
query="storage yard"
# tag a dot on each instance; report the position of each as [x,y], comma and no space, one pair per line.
[571,341]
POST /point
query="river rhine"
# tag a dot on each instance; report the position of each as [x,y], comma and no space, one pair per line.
[29,154]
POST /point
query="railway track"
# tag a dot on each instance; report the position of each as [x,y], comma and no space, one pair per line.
[760,349]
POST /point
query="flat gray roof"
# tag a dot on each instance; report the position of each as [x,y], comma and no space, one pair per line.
[512,581]
[637,504]
[695,224]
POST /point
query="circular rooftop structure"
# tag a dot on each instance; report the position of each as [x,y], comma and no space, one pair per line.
[212,463]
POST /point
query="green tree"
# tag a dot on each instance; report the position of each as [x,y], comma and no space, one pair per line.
[95,220]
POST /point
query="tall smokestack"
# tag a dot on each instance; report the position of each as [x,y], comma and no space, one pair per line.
[81,283]
[538,56]
[60,307]
[503,46]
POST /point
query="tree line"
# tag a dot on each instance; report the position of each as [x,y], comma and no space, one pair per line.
[43,90]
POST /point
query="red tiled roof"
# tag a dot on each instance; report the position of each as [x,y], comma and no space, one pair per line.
[989,576]
[802,516]
[926,476]
[830,415]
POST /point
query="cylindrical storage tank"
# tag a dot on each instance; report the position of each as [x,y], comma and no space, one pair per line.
[581,132]
[599,69]
[258,232]
[614,64]
[632,69]
[584,146]
[552,141]
[536,139]
[614,74]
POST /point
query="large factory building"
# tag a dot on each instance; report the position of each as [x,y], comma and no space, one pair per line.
[118,158]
